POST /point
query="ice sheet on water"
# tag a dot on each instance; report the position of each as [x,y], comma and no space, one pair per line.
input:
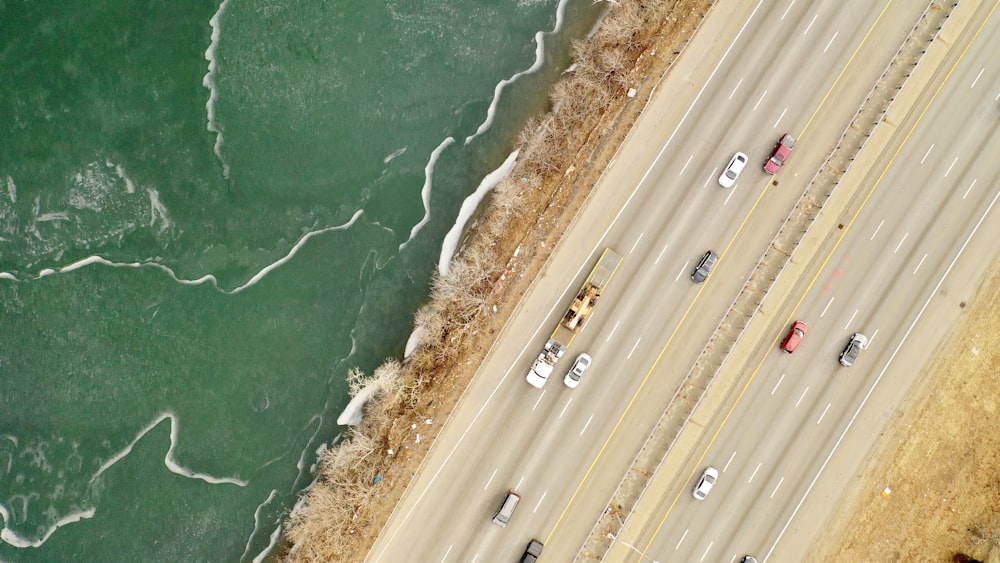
[352,413]
[468,209]
[539,60]
[18,540]
[207,278]
[256,522]
[425,191]
[168,460]
[209,82]
[100,205]
[270,546]
[395,153]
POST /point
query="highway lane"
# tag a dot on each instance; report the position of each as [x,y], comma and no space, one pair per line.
[508,435]
[880,280]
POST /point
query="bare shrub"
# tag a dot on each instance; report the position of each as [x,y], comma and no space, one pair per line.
[507,197]
[544,150]
[624,24]
[388,376]
[344,509]
[430,321]
[528,136]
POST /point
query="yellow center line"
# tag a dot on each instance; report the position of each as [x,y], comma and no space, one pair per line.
[659,356]
[822,268]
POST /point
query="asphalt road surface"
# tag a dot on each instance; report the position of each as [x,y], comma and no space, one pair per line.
[892,254]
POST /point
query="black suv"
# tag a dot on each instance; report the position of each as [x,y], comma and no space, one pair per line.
[704,267]
[531,554]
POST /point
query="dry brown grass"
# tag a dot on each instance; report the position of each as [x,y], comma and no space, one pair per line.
[345,509]
[940,458]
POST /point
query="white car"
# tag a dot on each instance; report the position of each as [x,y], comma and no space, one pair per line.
[581,364]
[855,345]
[706,482]
[733,170]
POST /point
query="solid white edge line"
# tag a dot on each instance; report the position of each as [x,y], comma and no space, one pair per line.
[875,383]
[604,235]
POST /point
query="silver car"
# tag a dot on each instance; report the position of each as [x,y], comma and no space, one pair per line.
[855,345]
[705,483]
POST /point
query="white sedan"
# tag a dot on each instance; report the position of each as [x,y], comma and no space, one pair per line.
[708,478]
[581,364]
[733,170]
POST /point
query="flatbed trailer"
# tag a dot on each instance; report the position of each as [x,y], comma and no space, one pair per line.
[577,314]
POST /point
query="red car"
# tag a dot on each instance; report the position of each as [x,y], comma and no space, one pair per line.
[794,336]
[779,154]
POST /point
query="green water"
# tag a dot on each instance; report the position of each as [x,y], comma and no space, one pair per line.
[192,259]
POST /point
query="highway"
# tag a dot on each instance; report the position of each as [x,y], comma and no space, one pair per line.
[900,243]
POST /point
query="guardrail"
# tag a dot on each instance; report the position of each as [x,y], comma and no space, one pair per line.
[870,114]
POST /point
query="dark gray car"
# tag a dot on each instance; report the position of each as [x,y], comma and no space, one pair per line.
[704,267]
[532,553]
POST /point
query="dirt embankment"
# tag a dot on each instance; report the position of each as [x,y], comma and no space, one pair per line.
[563,154]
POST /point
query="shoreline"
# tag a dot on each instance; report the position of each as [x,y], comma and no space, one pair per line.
[360,481]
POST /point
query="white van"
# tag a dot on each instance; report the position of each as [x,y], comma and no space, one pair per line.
[506,509]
